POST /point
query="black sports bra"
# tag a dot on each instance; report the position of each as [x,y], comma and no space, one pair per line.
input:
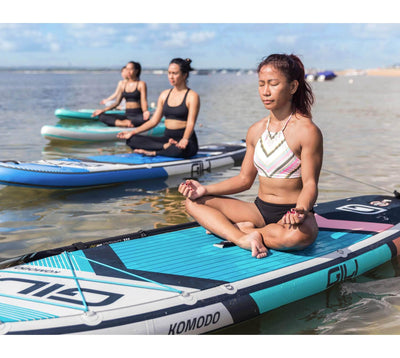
[179,113]
[132,96]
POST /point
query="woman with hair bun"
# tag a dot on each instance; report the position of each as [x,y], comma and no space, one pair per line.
[285,149]
[180,106]
[135,93]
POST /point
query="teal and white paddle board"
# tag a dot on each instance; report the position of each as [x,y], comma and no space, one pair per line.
[86,114]
[179,280]
[90,132]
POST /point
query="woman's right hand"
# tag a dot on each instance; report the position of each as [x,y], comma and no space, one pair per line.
[125,134]
[192,189]
[97,112]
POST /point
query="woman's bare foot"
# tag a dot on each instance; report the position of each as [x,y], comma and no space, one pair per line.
[123,123]
[255,244]
[169,143]
[145,152]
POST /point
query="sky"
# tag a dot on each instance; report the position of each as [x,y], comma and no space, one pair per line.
[214,34]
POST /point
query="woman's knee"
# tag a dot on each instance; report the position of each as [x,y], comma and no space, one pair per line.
[300,239]
[192,205]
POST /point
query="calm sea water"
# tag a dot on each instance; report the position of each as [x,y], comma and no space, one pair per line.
[359,117]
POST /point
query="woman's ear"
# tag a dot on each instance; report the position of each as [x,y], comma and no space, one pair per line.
[293,87]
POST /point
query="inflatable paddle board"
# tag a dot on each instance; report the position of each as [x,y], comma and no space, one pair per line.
[93,132]
[86,114]
[67,173]
[179,280]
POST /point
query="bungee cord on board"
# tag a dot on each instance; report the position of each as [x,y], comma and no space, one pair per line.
[395,192]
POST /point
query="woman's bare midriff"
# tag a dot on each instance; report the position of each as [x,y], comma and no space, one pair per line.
[132,105]
[279,191]
[174,124]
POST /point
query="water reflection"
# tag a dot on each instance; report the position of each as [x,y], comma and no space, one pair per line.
[169,202]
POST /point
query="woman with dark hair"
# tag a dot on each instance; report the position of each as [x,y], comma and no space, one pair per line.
[135,93]
[180,106]
[285,149]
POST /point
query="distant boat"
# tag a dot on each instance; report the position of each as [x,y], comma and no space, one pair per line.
[320,76]
[325,76]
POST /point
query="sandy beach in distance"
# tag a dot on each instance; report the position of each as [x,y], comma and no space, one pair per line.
[392,72]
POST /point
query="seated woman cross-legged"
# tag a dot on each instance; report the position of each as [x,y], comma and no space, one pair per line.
[180,106]
[134,91]
[285,149]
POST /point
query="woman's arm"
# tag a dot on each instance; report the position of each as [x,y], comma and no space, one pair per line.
[239,183]
[143,100]
[114,95]
[311,163]
[193,104]
[112,106]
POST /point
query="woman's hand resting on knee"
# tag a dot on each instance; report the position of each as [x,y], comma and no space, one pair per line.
[192,189]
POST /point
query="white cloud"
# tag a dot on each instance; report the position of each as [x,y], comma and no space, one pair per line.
[130,39]
[182,38]
[286,39]
[176,39]
[54,47]
[202,36]
[6,45]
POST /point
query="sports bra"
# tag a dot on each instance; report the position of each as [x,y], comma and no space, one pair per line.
[132,96]
[179,113]
[273,158]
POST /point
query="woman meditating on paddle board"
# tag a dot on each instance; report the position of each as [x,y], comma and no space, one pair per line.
[180,106]
[135,93]
[285,150]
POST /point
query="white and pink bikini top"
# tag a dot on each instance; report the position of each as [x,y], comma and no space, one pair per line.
[273,158]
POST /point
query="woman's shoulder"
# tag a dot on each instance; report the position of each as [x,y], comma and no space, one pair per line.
[260,125]
[142,84]
[192,94]
[165,92]
[163,95]
[256,130]
[121,83]
[300,121]
[305,127]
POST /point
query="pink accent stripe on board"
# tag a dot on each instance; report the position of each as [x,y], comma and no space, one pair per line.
[350,225]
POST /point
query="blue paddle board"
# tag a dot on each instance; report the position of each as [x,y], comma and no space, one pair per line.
[69,173]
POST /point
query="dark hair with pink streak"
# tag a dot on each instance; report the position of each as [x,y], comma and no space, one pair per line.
[293,69]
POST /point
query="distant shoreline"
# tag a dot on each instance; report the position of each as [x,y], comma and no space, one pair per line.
[385,72]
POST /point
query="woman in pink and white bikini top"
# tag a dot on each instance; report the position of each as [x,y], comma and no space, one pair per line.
[285,150]
[272,156]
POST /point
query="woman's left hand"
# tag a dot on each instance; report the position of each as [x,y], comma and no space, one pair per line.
[183,143]
[146,115]
[295,216]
